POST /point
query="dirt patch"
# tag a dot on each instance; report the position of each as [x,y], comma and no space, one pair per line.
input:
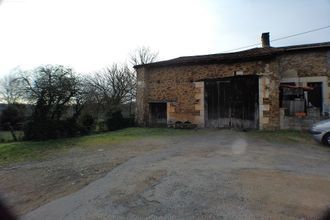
[30,185]
[27,189]
[123,197]
[285,195]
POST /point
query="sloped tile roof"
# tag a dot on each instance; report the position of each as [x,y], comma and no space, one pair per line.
[251,54]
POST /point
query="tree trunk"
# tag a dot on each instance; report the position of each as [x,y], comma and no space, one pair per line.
[13,133]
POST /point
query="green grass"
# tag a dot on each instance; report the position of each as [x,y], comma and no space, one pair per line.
[32,150]
[288,136]
[5,136]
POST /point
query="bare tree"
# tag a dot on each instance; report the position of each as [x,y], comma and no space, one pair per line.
[55,93]
[9,88]
[143,55]
[112,86]
[51,89]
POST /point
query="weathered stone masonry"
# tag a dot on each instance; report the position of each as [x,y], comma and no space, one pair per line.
[181,87]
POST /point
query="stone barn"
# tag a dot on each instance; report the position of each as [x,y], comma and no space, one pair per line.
[260,88]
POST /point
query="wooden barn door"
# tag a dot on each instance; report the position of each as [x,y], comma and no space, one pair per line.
[157,114]
[232,102]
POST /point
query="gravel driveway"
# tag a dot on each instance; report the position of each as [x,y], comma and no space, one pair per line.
[218,174]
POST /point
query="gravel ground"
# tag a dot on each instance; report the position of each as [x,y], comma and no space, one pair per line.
[27,186]
[218,174]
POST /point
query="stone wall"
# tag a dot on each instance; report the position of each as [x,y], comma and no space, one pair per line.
[142,108]
[269,97]
[182,87]
[304,64]
[299,122]
[305,67]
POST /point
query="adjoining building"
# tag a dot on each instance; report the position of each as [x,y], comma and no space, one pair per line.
[261,88]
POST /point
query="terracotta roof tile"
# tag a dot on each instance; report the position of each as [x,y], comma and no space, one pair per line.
[251,54]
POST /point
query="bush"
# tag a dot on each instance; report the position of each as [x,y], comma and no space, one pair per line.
[116,121]
[50,129]
[12,118]
[87,124]
[184,125]
[101,126]
[130,121]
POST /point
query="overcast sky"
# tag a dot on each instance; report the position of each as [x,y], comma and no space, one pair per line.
[89,35]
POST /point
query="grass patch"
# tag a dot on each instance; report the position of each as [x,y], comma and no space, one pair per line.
[289,136]
[5,136]
[32,150]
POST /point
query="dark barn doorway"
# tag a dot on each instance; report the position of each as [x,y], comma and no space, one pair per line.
[157,114]
[233,102]
[315,95]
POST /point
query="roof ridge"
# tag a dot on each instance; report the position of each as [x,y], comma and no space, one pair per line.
[253,53]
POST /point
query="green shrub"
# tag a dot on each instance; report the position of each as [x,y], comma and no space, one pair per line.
[50,129]
[87,124]
[116,121]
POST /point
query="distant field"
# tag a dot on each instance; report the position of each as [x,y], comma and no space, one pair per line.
[6,136]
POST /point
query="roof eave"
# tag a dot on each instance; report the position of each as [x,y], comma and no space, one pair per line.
[203,59]
[205,62]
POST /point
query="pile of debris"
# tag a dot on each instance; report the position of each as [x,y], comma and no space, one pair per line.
[182,125]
